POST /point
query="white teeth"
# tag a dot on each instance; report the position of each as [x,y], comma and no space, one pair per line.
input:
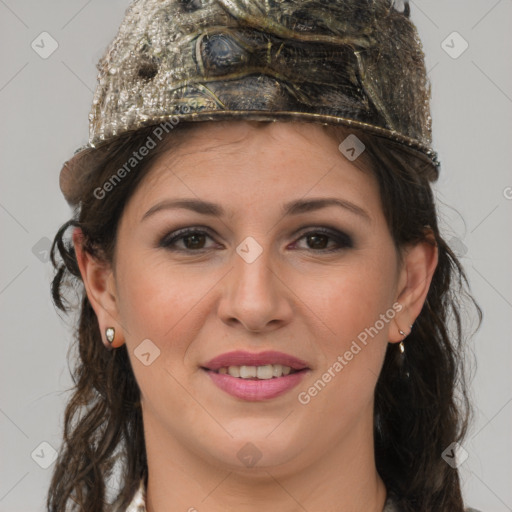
[234,371]
[277,370]
[265,372]
[248,372]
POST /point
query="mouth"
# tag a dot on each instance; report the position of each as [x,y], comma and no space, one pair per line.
[263,372]
[256,377]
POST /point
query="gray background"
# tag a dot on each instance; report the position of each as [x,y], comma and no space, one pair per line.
[44,103]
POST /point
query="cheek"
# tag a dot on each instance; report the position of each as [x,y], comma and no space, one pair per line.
[160,303]
[351,298]
[355,305]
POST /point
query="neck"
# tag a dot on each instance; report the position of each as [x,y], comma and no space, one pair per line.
[343,479]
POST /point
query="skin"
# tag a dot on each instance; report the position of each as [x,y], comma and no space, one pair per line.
[293,298]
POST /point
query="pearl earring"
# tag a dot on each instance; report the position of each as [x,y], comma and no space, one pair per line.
[110,334]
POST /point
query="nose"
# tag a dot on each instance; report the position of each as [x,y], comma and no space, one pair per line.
[255,296]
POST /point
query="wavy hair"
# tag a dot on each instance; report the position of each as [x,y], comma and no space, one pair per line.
[421,400]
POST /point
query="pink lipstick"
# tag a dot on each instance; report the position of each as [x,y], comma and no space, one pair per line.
[256,376]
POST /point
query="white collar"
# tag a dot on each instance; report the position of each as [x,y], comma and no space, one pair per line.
[138,503]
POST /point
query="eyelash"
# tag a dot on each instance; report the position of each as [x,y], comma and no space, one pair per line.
[342,240]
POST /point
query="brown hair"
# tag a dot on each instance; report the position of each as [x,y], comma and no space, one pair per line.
[421,404]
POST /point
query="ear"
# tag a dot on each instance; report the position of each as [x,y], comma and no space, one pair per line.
[99,282]
[418,267]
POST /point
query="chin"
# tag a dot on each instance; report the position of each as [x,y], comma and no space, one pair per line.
[257,453]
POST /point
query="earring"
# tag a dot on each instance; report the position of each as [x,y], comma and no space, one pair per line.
[110,334]
[401,345]
[401,360]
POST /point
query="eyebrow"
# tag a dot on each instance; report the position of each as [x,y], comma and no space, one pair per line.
[291,208]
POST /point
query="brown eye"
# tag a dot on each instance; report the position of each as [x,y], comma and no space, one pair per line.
[318,240]
[195,241]
[192,239]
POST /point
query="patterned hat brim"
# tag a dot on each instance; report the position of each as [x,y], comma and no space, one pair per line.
[72,169]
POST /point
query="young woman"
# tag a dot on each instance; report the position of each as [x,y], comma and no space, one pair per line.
[265,293]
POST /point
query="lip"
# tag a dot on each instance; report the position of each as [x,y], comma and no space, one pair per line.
[255,390]
[243,358]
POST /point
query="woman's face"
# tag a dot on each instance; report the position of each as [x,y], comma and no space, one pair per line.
[264,267]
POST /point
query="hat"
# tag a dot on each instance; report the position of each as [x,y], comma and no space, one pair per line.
[358,63]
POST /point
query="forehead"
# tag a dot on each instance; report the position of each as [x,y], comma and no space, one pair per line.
[237,135]
[240,162]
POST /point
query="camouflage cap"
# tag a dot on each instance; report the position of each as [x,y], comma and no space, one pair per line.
[357,63]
